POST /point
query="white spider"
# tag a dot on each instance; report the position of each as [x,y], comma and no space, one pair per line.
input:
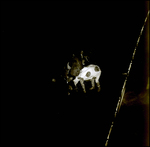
[90,72]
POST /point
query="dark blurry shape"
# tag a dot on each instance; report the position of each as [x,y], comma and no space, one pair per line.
[132,124]
[130,98]
[84,58]
[88,74]
[147,87]
[73,67]
[76,66]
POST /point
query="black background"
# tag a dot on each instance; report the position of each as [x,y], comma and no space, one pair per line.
[37,38]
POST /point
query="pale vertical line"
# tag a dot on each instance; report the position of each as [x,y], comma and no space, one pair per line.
[123,88]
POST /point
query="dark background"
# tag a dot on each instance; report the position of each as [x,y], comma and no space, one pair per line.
[37,39]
